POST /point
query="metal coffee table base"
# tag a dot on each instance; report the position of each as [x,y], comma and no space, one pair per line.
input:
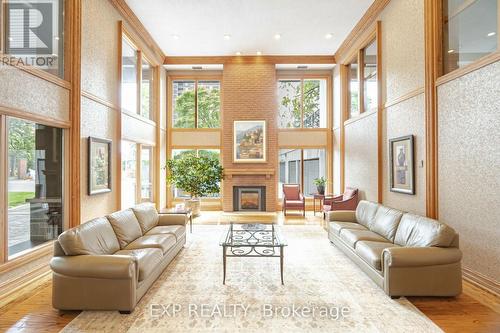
[249,251]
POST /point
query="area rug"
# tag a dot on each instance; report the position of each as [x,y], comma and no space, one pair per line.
[323,291]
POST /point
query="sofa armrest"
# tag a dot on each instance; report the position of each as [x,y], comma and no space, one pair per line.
[420,256]
[172,219]
[96,266]
[341,216]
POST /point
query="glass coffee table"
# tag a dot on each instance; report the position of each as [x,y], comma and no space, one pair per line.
[252,240]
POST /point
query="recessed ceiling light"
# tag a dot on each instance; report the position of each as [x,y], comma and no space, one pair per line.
[259,53]
[492,34]
[11,39]
[56,37]
[329,36]
[451,51]
[277,36]
[227,37]
[175,37]
[238,53]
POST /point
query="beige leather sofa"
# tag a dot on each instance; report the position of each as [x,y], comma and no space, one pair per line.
[405,254]
[110,262]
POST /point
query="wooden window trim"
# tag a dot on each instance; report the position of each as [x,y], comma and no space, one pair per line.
[329,99]
[195,79]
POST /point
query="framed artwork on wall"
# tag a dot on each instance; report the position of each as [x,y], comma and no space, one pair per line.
[99,166]
[249,141]
[402,166]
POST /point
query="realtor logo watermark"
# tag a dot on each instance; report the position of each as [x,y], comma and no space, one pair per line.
[240,310]
[31,34]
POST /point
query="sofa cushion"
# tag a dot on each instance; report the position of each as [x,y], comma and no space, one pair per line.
[371,252]
[147,215]
[163,242]
[386,222]
[177,230]
[419,231]
[147,260]
[126,226]
[294,203]
[352,236]
[349,193]
[93,237]
[365,212]
[335,226]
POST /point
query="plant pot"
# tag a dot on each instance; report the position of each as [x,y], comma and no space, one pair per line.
[321,189]
[194,204]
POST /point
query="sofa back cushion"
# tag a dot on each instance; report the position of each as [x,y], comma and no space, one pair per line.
[147,216]
[386,222]
[419,231]
[126,226]
[93,237]
[365,212]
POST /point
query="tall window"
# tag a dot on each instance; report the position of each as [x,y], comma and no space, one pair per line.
[196,104]
[470,31]
[33,32]
[301,166]
[363,85]
[303,103]
[177,153]
[35,184]
[137,173]
[137,81]
[146,173]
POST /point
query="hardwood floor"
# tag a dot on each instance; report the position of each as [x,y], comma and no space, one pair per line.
[475,310]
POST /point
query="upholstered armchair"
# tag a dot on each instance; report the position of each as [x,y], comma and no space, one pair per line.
[346,201]
[293,198]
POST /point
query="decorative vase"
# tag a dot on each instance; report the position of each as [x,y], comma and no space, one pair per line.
[321,189]
[194,204]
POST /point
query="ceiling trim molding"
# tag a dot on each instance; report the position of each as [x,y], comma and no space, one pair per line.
[364,23]
[139,28]
[270,59]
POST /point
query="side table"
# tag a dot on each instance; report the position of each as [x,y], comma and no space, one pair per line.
[186,212]
[321,198]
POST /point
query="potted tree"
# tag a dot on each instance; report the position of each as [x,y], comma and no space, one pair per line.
[320,184]
[198,176]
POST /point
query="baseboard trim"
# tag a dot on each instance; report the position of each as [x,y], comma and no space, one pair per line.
[16,288]
[481,281]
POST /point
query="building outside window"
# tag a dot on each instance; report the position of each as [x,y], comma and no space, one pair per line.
[129,77]
[35,184]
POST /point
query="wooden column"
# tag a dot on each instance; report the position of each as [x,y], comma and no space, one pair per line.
[380,115]
[432,70]
[75,112]
[344,108]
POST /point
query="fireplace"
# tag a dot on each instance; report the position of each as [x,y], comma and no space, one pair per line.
[249,198]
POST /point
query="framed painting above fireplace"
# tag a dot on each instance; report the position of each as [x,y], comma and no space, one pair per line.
[249,141]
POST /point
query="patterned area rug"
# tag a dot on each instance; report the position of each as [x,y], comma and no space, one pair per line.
[323,291]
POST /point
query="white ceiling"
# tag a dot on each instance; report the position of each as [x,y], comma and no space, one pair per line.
[201,25]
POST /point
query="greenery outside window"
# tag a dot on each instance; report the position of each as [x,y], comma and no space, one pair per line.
[137,86]
[196,103]
[303,103]
[470,31]
[137,173]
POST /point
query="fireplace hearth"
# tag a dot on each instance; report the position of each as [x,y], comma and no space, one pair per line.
[249,198]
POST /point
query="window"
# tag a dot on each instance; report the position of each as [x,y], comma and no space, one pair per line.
[146,173]
[196,104]
[137,82]
[363,83]
[301,166]
[35,184]
[129,174]
[303,103]
[33,33]
[470,31]
[176,153]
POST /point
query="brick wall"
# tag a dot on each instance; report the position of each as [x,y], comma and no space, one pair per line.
[250,93]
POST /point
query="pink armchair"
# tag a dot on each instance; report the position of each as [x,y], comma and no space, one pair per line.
[346,201]
[293,198]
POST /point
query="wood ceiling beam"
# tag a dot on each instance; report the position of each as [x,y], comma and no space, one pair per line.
[274,59]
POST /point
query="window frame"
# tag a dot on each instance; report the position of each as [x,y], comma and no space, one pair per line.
[359,57]
[283,76]
[195,79]
[141,55]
